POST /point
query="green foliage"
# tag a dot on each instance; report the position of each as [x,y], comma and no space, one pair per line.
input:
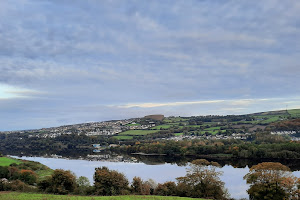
[83,186]
[278,149]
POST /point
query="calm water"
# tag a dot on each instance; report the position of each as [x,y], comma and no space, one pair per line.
[233,177]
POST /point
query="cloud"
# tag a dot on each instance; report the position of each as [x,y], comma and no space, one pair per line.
[162,55]
[10,92]
[151,105]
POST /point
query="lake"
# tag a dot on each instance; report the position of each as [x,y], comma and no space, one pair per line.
[233,177]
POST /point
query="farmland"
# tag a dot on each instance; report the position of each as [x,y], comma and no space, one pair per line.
[294,113]
[4,161]
[161,127]
[123,137]
[137,132]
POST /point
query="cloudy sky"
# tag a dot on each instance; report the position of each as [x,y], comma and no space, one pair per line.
[68,61]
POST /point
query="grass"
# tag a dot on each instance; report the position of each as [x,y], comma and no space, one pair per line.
[197,126]
[5,161]
[270,120]
[41,170]
[178,134]
[174,119]
[137,132]
[31,196]
[161,126]
[212,128]
[123,137]
[294,112]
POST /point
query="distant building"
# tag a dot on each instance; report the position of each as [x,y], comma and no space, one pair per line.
[96,145]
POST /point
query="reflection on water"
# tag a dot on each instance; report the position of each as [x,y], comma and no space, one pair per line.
[107,155]
[233,177]
[159,168]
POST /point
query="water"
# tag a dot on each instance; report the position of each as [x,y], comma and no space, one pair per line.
[233,177]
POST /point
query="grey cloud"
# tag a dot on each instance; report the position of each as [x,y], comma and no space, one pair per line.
[122,52]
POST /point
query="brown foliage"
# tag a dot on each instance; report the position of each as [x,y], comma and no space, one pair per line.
[272,180]
[110,182]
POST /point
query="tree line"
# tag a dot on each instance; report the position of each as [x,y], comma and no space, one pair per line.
[259,149]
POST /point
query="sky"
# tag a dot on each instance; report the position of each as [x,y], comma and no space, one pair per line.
[73,61]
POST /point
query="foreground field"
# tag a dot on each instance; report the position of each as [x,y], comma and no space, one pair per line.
[29,196]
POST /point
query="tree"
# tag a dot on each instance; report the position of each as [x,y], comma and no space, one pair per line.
[28,176]
[61,182]
[271,180]
[152,185]
[138,186]
[110,182]
[166,189]
[202,180]
[83,185]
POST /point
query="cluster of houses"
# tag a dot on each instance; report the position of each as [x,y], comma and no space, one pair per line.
[283,132]
[135,126]
[89,129]
[238,136]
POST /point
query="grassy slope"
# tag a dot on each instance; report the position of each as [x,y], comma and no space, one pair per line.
[137,132]
[41,170]
[29,196]
[161,126]
[294,112]
[4,161]
[123,137]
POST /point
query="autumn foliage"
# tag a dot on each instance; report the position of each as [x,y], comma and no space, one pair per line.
[273,181]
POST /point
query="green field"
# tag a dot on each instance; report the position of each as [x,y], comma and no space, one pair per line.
[161,126]
[123,137]
[294,112]
[195,126]
[29,196]
[178,134]
[137,132]
[174,119]
[270,120]
[4,161]
[213,128]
